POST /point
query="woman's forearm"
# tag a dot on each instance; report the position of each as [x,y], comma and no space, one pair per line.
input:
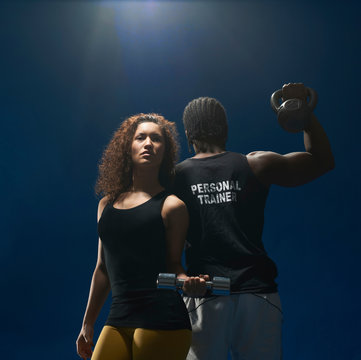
[176,268]
[99,290]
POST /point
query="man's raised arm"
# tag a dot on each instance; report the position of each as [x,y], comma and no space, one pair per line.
[296,168]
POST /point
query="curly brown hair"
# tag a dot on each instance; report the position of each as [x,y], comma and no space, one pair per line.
[115,167]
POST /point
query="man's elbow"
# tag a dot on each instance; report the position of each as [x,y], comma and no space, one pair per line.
[329,164]
[319,168]
[332,164]
[324,167]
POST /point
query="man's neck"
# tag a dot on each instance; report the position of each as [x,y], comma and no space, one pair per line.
[211,151]
[206,154]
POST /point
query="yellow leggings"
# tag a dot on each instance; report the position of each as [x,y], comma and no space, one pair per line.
[142,344]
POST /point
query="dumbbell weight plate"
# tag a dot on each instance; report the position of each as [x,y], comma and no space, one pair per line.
[166,281]
[221,285]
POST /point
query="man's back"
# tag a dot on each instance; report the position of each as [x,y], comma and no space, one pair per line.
[226,204]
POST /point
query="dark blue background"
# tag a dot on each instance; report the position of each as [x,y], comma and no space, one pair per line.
[71,71]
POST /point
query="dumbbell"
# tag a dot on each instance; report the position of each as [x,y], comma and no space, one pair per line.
[218,286]
[293,114]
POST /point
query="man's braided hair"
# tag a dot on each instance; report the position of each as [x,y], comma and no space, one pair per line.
[205,122]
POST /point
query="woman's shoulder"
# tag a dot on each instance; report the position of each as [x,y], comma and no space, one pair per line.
[173,202]
[104,201]
[174,211]
[173,206]
[102,204]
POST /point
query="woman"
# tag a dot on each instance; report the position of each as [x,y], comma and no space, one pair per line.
[141,233]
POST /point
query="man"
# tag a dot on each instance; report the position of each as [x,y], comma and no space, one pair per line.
[225,193]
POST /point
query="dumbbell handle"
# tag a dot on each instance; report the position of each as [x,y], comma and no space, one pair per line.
[180,282]
[219,285]
[277,96]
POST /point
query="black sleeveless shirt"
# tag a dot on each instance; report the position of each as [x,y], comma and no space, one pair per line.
[226,210]
[135,253]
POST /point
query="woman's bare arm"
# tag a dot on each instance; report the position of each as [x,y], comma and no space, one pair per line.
[99,290]
[176,220]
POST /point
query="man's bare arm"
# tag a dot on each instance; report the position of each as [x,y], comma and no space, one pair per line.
[296,168]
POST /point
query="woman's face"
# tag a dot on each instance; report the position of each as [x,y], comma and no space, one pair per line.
[148,145]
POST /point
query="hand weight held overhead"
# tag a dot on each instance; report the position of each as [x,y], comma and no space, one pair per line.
[218,286]
[294,114]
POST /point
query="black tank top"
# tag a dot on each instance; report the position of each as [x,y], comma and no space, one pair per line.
[135,253]
[226,207]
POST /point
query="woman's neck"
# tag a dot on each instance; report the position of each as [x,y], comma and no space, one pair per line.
[146,181]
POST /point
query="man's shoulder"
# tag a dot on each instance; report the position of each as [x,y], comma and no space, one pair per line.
[183,165]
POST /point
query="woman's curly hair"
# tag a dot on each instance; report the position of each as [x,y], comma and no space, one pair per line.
[115,167]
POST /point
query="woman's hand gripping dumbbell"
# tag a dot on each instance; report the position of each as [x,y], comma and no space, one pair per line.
[195,286]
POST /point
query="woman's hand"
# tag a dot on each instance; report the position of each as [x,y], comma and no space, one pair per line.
[85,343]
[195,286]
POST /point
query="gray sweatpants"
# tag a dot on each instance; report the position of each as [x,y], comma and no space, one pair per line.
[247,325]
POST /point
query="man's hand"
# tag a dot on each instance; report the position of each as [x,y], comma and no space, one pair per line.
[294,91]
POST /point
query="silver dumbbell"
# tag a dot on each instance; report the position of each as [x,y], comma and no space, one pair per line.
[218,286]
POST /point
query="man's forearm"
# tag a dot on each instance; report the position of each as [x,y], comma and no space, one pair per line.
[317,143]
